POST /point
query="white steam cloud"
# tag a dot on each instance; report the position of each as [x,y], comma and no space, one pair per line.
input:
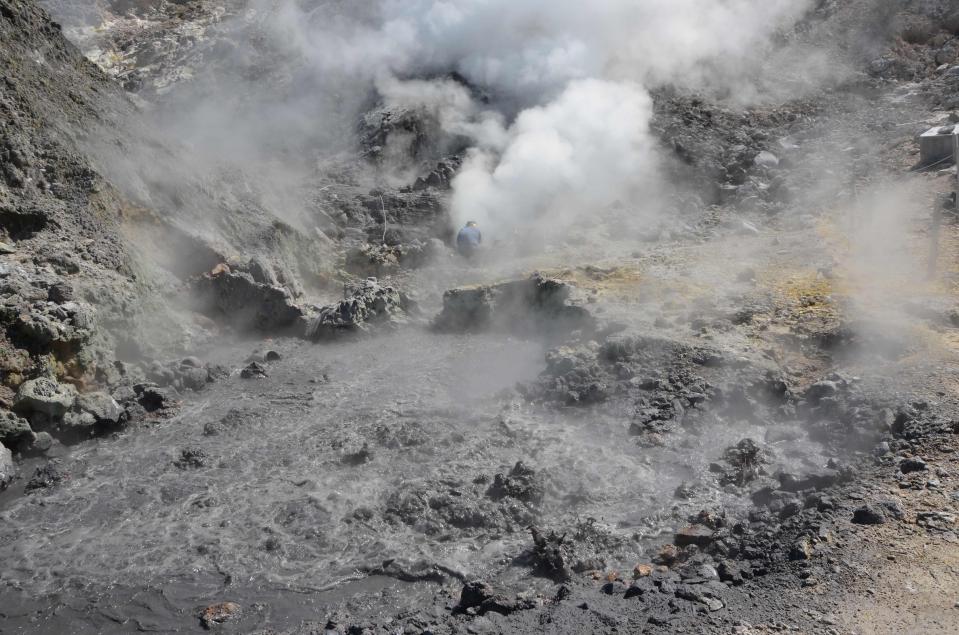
[585,149]
[571,77]
[555,105]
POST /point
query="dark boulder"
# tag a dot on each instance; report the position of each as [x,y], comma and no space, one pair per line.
[154,398]
[869,515]
[46,477]
[552,555]
[253,371]
[913,464]
[745,460]
[14,430]
[474,593]
[522,483]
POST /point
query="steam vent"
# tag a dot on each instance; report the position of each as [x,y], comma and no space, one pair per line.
[479,316]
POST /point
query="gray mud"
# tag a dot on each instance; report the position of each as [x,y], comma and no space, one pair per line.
[308,480]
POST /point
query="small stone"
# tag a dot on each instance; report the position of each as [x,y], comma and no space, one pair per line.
[894,508]
[46,476]
[914,464]
[42,442]
[935,520]
[766,159]
[191,458]
[474,593]
[882,449]
[802,550]
[642,570]
[820,390]
[699,535]
[60,292]
[667,555]
[14,430]
[8,469]
[868,515]
[154,398]
[217,614]
[614,588]
[101,406]
[253,371]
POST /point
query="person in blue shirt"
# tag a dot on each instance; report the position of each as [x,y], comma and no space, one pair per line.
[468,239]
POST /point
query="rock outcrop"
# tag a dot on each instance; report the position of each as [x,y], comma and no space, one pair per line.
[537,305]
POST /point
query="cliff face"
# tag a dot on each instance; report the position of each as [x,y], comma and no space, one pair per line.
[60,221]
[105,240]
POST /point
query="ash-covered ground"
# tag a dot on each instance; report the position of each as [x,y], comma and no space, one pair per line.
[700,377]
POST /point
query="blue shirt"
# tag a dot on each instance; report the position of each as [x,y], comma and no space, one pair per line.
[469,237]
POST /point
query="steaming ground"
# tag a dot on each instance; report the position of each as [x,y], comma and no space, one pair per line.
[362,481]
[295,487]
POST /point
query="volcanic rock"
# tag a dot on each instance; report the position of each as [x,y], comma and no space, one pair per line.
[475,593]
[218,614]
[766,159]
[536,305]
[868,515]
[914,464]
[154,398]
[60,292]
[8,469]
[521,483]
[14,430]
[45,477]
[191,458]
[698,535]
[367,305]
[746,460]
[101,406]
[253,371]
[667,555]
[46,396]
[246,303]
[552,554]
